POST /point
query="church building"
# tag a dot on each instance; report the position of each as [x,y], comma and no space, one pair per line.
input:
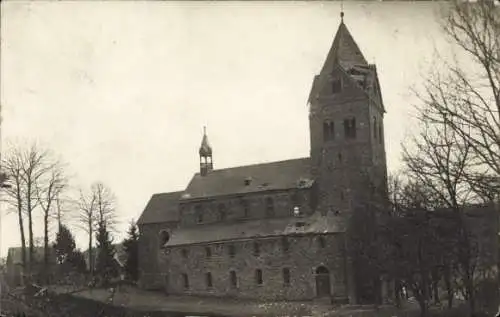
[280,230]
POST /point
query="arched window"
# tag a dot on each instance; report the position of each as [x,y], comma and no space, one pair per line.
[336,86]
[222,212]
[350,128]
[208,279]
[286,276]
[233,278]
[208,252]
[269,207]
[380,135]
[285,244]
[375,130]
[198,214]
[258,277]
[185,280]
[321,242]
[164,237]
[326,131]
[332,130]
[256,249]
[246,208]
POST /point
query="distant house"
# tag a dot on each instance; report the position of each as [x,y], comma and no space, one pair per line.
[14,264]
[120,257]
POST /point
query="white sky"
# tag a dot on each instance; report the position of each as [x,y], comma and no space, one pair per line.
[121,90]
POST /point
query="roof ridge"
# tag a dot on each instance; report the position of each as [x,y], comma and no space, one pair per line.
[256,164]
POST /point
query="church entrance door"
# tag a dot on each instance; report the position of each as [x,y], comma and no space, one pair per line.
[322,282]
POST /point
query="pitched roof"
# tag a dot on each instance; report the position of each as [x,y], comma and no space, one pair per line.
[161,208]
[344,50]
[260,228]
[279,175]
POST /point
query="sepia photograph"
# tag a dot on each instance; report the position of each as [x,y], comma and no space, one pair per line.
[250,158]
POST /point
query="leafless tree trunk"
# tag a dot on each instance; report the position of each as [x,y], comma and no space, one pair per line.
[48,190]
[96,206]
[14,195]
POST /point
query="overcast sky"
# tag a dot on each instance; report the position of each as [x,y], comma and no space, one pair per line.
[122,90]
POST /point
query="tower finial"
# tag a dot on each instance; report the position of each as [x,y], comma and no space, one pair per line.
[204,130]
[341,10]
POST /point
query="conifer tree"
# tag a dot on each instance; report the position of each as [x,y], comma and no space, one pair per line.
[106,266]
[132,250]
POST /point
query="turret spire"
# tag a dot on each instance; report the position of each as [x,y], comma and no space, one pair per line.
[206,163]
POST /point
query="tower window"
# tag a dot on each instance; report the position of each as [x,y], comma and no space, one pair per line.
[285,244]
[342,195]
[233,278]
[328,130]
[208,252]
[350,128]
[185,280]
[269,207]
[336,86]
[222,212]
[286,276]
[380,136]
[258,277]
[208,280]
[321,242]
[256,249]
[375,130]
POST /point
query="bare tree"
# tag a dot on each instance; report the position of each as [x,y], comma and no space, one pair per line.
[15,194]
[49,188]
[467,98]
[95,207]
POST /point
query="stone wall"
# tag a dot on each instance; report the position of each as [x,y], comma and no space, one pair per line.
[149,250]
[304,255]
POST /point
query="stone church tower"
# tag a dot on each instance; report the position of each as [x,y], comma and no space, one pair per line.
[347,148]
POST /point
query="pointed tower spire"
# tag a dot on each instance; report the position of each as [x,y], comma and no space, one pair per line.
[206,164]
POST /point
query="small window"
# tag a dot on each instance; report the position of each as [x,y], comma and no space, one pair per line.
[326,131]
[321,242]
[286,276]
[350,128]
[342,195]
[208,252]
[269,207]
[375,130]
[246,208]
[258,277]
[256,249]
[285,244]
[184,253]
[231,250]
[208,280]
[198,214]
[336,86]
[380,131]
[332,130]
[185,280]
[222,212]
[233,278]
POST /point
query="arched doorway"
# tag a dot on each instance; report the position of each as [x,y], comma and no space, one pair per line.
[322,282]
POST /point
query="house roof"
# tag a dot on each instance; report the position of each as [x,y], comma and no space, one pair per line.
[279,175]
[14,255]
[161,208]
[256,229]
